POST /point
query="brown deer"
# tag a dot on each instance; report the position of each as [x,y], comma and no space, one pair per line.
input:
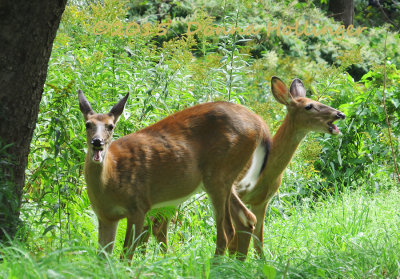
[261,177]
[202,147]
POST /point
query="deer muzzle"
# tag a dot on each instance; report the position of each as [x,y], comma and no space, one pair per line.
[98,149]
[333,129]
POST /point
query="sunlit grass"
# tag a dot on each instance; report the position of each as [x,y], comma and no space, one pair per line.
[352,236]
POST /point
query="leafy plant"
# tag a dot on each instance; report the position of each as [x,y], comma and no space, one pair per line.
[363,152]
[315,226]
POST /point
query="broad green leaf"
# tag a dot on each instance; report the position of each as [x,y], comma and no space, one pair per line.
[269,271]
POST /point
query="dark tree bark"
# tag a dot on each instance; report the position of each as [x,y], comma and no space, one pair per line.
[342,10]
[27,32]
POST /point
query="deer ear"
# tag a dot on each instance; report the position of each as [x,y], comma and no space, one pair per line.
[297,89]
[280,91]
[84,105]
[118,108]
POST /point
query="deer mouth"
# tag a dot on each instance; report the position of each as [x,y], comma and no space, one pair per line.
[333,129]
[97,153]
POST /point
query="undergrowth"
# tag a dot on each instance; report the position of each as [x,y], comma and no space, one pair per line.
[316,227]
[355,235]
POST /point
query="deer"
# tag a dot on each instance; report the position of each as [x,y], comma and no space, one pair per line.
[262,175]
[204,147]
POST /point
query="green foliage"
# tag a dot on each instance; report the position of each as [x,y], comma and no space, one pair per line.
[306,235]
[344,237]
[372,14]
[363,153]
[353,236]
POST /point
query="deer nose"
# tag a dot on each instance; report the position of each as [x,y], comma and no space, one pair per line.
[340,115]
[97,142]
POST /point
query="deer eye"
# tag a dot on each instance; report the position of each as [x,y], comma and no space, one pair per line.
[308,107]
[110,127]
[88,125]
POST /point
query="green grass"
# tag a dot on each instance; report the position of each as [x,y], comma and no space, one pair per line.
[353,235]
[356,235]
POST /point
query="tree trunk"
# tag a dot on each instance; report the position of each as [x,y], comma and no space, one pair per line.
[27,31]
[342,10]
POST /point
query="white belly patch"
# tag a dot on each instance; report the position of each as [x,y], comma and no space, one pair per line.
[118,210]
[178,201]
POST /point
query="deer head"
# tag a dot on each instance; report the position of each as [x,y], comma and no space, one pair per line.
[99,126]
[307,115]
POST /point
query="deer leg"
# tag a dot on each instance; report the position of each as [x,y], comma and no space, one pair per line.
[107,232]
[259,211]
[160,231]
[158,226]
[145,236]
[225,230]
[133,233]
[244,222]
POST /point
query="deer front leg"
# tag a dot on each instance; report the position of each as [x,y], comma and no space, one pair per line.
[133,233]
[107,232]
[244,222]
[259,211]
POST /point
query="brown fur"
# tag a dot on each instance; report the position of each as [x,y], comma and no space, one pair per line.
[298,122]
[167,161]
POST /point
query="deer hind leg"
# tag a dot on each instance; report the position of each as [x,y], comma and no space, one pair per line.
[219,193]
[133,233]
[107,232]
[159,226]
[244,222]
[147,230]
[160,231]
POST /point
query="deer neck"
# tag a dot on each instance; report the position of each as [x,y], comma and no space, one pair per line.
[97,174]
[284,145]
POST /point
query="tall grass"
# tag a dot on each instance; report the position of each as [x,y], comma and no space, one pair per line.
[352,236]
